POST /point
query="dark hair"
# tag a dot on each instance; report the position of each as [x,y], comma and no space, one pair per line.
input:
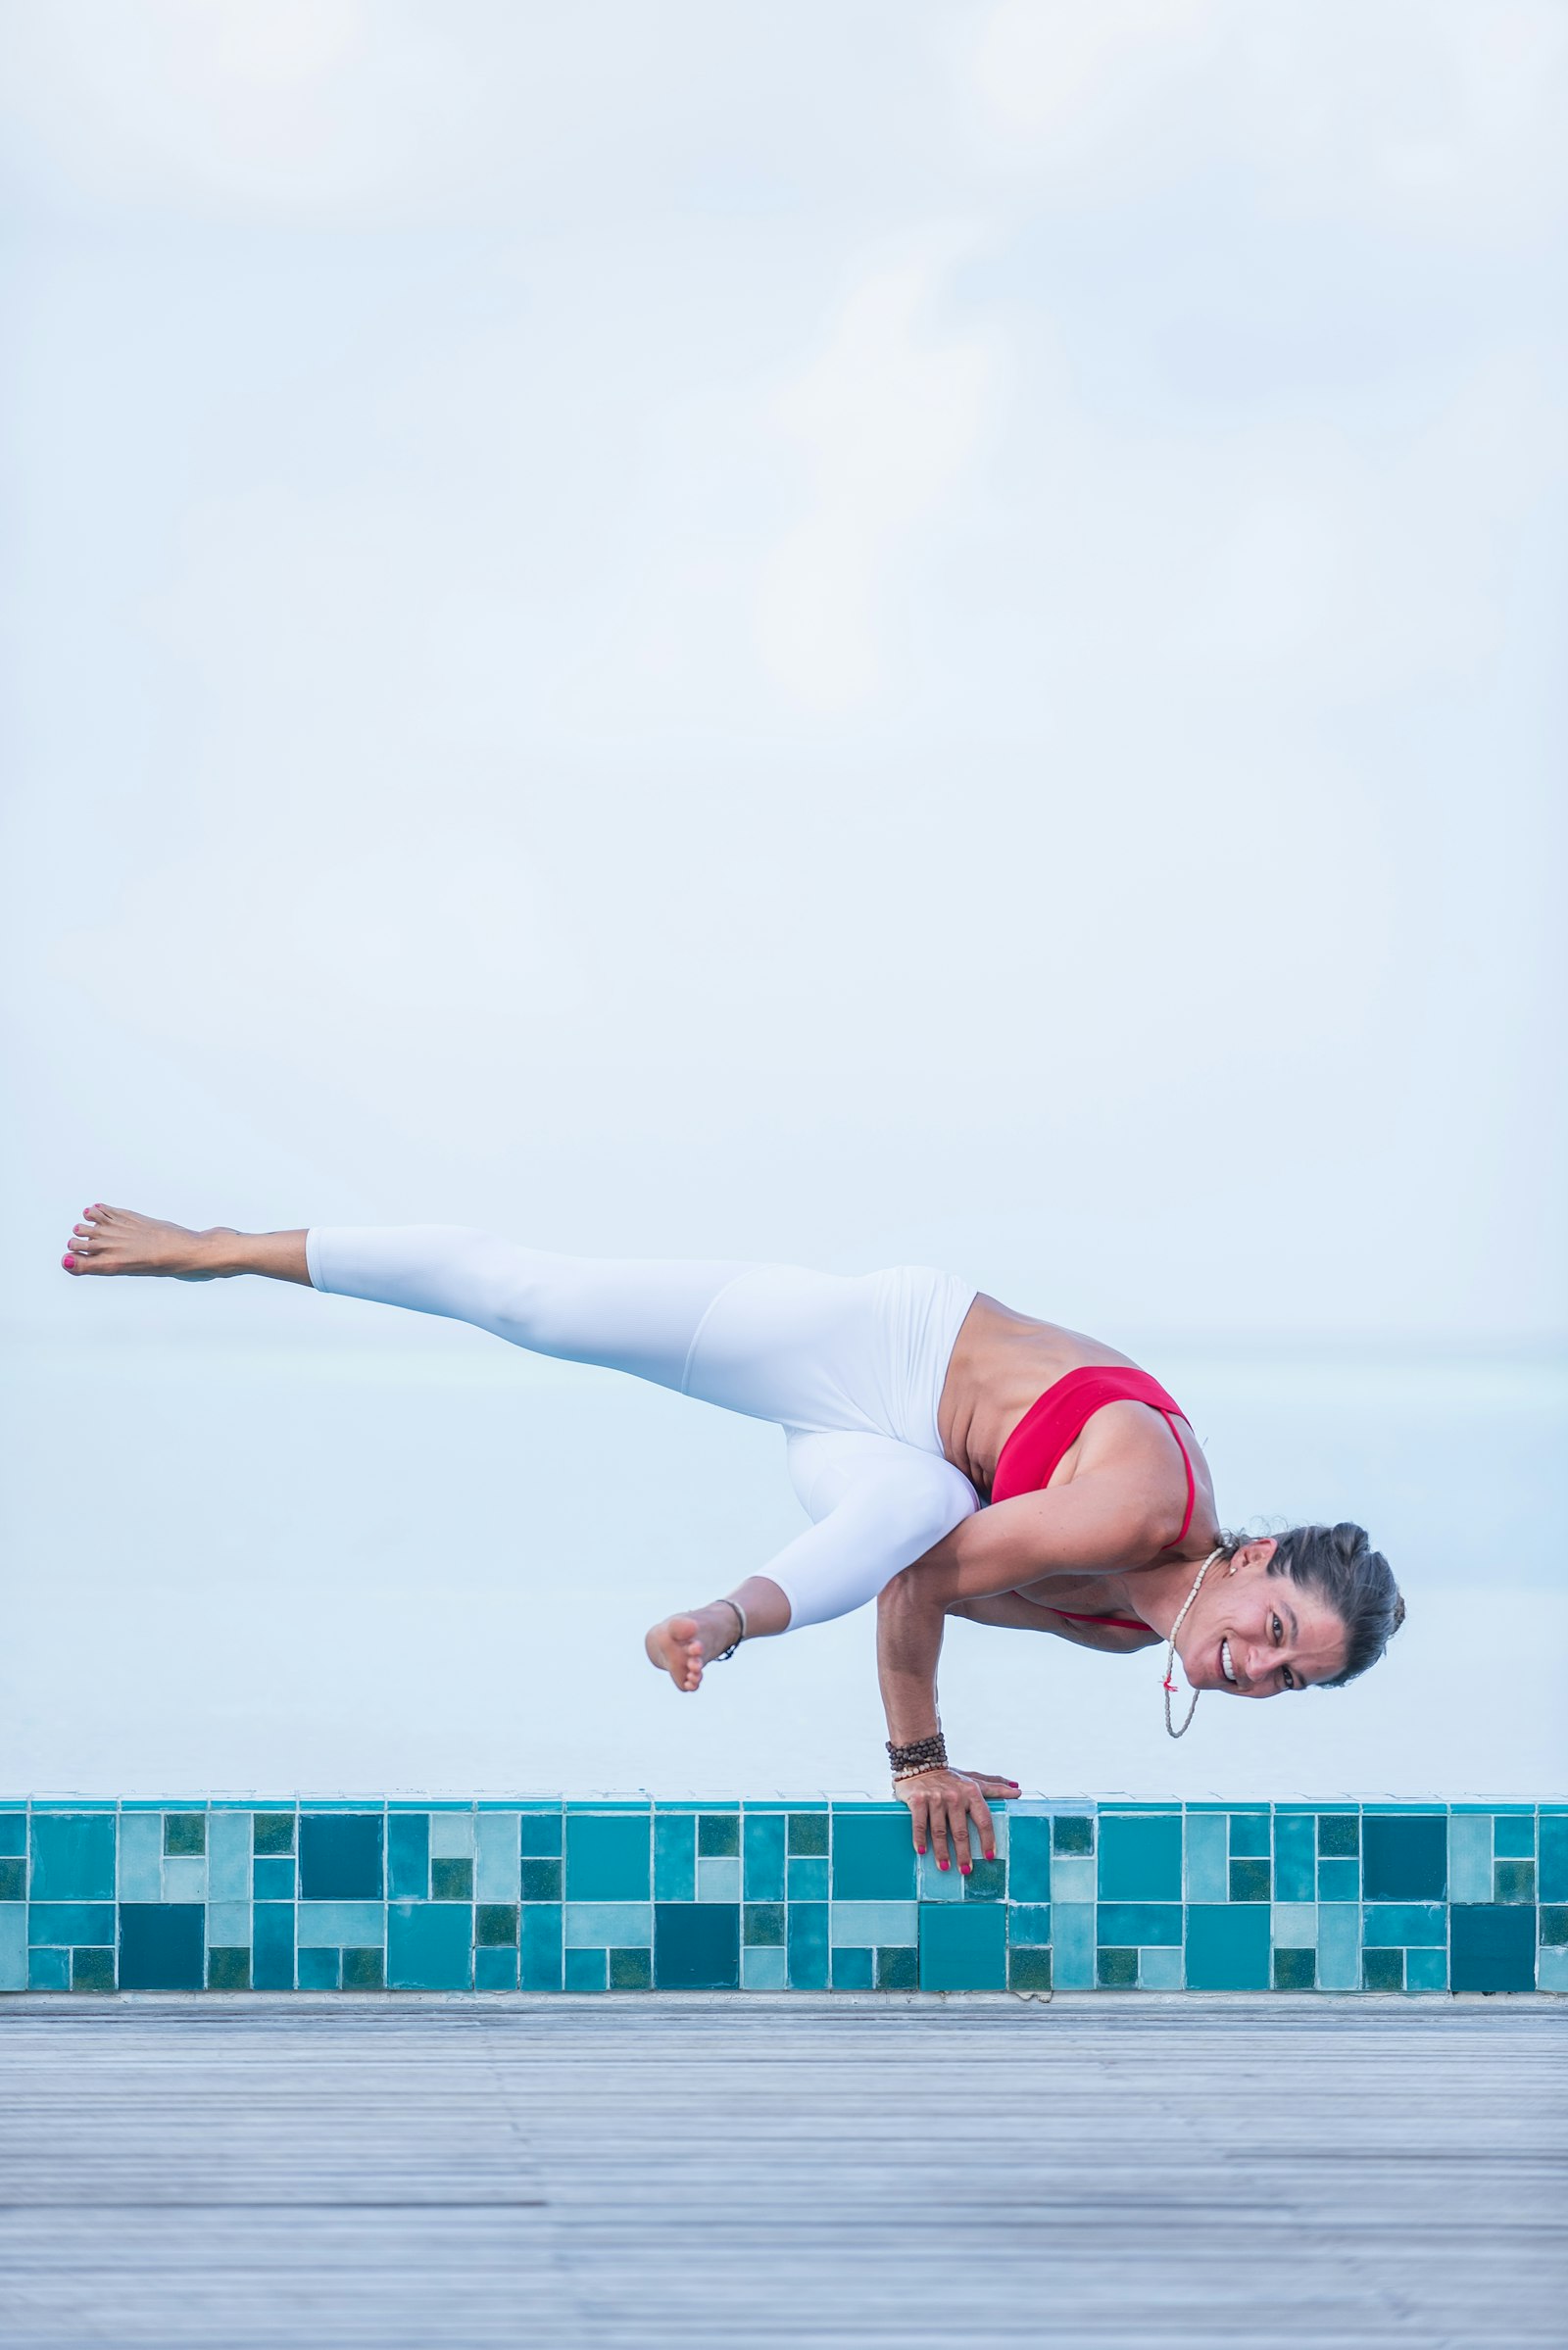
[1339,1564]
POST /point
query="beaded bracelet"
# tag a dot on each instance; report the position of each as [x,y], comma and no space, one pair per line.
[921,1754]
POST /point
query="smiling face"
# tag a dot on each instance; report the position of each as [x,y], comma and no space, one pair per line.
[1256,1634]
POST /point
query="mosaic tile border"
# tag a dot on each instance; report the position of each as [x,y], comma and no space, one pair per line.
[624,1896]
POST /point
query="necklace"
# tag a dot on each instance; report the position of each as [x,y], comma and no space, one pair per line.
[1170,1652]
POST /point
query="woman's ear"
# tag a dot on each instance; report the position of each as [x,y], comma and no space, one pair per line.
[1255,1554]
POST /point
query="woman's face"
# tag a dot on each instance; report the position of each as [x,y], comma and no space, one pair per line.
[1256,1634]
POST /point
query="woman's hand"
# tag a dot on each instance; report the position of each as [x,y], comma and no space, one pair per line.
[941,1804]
[1000,1790]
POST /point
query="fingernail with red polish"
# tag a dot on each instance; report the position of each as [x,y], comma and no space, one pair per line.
[966,1869]
[920,1848]
[943,1866]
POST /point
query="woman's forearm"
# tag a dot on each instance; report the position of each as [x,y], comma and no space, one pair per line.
[908,1644]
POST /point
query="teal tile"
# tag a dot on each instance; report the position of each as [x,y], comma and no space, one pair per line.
[1295,1924]
[56,1925]
[1339,1946]
[184,1833]
[697,1946]
[1139,1856]
[429,1946]
[1388,1924]
[328,1925]
[272,1880]
[1469,1856]
[1249,1835]
[541,1880]
[933,1881]
[764,1970]
[806,1933]
[897,1968]
[1555,1926]
[49,1971]
[1296,1970]
[808,1834]
[808,1881]
[407,1855]
[587,1969]
[1382,1970]
[13,1880]
[1072,1833]
[1555,1856]
[987,1880]
[1124,1924]
[272,1946]
[863,1923]
[228,1967]
[674,1856]
[631,1969]
[1404,1856]
[73,1856]
[162,1946]
[762,1924]
[1251,1881]
[13,1947]
[540,1947]
[1029,1858]
[272,1830]
[340,1856]
[141,1857]
[539,1838]
[607,1925]
[719,1835]
[495,1926]
[1492,1947]
[1208,1857]
[1072,1941]
[873,1857]
[1159,1969]
[228,1923]
[1029,1970]
[363,1969]
[1514,1835]
[609,1856]
[1295,1877]
[228,1856]
[854,1970]
[1338,1881]
[1029,1924]
[497,1873]
[1116,1970]
[1514,1881]
[762,1839]
[14,1835]
[451,1879]
[1551,1971]
[719,1880]
[319,1969]
[494,1970]
[1425,1970]
[452,1835]
[1339,1835]
[1226,1949]
[964,1946]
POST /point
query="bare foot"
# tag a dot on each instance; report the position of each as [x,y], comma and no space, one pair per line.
[115,1239]
[682,1645]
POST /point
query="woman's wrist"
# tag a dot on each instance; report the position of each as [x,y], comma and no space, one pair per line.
[914,1755]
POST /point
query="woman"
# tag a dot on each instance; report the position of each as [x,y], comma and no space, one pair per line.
[955,1458]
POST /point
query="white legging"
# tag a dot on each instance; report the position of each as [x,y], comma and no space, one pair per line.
[850,1368]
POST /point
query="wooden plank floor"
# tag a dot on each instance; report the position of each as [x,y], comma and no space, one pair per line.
[630,2174]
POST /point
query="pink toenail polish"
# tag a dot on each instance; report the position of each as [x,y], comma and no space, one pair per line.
[70,1263]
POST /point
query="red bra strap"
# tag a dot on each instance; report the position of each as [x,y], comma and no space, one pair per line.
[1191,1489]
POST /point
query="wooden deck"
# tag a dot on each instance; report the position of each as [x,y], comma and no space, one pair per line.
[738,2172]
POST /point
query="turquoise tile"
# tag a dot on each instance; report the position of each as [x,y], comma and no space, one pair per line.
[1514,1881]
[1028,1859]
[1140,1923]
[1208,1857]
[1073,1879]
[228,1856]
[808,1881]
[59,1923]
[185,1833]
[697,1946]
[73,1856]
[13,1947]
[808,1833]
[272,1831]
[272,1946]
[603,1924]
[763,1838]
[1388,1924]
[674,1856]
[1072,1943]
[631,1969]
[1116,1970]
[1514,1835]
[540,1835]
[228,1923]
[13,1835]
[429,1946]
[1029,1970]
[541,1880]
[587,1969]
[272,1880]
[854,1970]
[1295,1968]
[1555,1856]
[1251,1881]
[363,1969]
[763,1969]
[184,1880]
[1492,1947]
[1159,1969]
[540,1947]
[719,1880]
[897,1968]
[1295,1837]
[1551,1971]
[49,1971]
[609,1856]
[407,1855]
[1469,1856]
[863,1923]
[229,1966]
[1338,1881]
[93,1970]
[1295,1924]
[496,1871]
[1139,1856]
[340,1856]
[141,1857]
[964,1946]
[451,1877]
[319,1970]
[1073,1832]
[719,1835]
[1226,1949]
[873,1857]
[162,1946]
[14,1879]
[1339,1835]
[495,1926]
[1553,1925]
[1029,1924]
[932,1881]
[1339,1946]
[762,1924]
[987,1880]
[452,1833]
[325,1925]
[1249,1835]
[1404,1857]
[807,1942]
[1382,1970]
[495,1969]
[1425,1970]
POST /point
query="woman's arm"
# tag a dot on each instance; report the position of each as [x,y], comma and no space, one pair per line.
[908,1641]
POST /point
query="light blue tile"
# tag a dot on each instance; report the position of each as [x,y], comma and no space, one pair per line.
[1295,1924]
[450,1835]
[767,1969]
[498,1873]
[1425,1970]
[609,1924]
[228,1857]
[1470,1856]
[1395,1924]
[1209,1877]
[185,1879]
[718,1876]
[1339,1946]
[1551,1970]
[864,1925]
[14,1947]
[329,1925]
[1074,1878]
[1072,1930]
[229,1925]
[1159,1969]
[141,1857]
[933,1883]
